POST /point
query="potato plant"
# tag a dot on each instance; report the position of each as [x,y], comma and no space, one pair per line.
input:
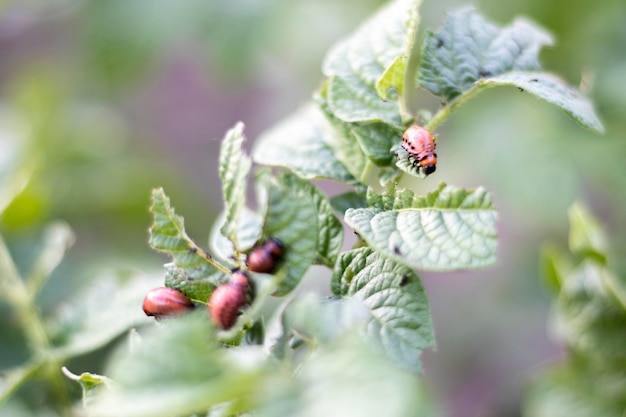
[357,351]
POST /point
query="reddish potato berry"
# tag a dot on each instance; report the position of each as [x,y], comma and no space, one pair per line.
[264,258]
[163,301]
[228,299]
[420,145]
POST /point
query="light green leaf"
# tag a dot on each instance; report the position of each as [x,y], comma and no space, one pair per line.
[346,378]
[167,234]
[586,235]
[555,91]
[330,230]
[468,48]
[90,383]
[234,167]
[291,217]
[15,167]
[177,370]
[12,379]
[588,317]
[249,232]
[312,321]
[300,143]
[406,162]
[447,229]
[393,77]
[57,239]
[356,65]
[400,314]
[104,311]
[343,143]
[565,390]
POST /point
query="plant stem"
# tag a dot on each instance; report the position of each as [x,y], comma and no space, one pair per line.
[32,325]
[447,110]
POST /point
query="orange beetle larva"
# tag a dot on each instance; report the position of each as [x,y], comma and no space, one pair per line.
[228,299]
[420,145]
[264,258]
[164,301]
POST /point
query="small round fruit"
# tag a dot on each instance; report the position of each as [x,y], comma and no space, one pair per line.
[228,299]
[264,258]
[163,301]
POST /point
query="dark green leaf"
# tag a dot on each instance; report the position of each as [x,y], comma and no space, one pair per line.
[167,234]
[400,314]
[291,217]
[376,141]
[342,202]
[468,48]
[330,230]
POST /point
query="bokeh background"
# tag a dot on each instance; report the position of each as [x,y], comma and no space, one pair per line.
[108,99]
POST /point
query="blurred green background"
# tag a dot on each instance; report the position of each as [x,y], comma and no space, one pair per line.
[100,101]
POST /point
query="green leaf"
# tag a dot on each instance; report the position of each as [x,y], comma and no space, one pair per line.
[586,236]
[351,199]
[177,370]
[470,54]
[300,143]
[291,217]
[356,65]
[90,383]
[553,90]
[392,292]
[167,234]
[249,232]
[392,78]
[589,318]
[376,141]
[233,169]
[104,311]
[12,379]
[565,390]
[447,229]
[15,168]
[57,240]
[330,230]
[196,289]
[346,378]
[343,143]
[312,321]
[468,48]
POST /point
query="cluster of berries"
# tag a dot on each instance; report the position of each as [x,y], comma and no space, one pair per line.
[228,299]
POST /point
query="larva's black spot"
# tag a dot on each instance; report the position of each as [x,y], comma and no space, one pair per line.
[404,280]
